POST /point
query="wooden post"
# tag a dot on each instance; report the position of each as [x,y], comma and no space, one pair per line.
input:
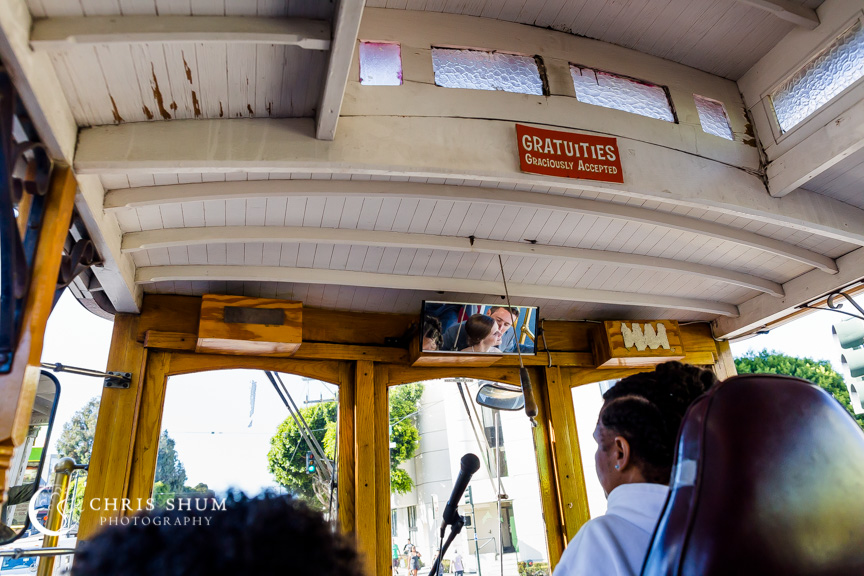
[546,470]
[724,367]
[111,457]
[381,423]
[364,450]
[18,387]
[568,459]
[145,449]
[347,464]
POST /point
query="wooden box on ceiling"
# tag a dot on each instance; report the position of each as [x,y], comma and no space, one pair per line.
[625,344]
[240,325]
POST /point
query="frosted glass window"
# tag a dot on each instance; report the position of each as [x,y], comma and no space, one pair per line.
[712,116]
[478,70]
[380,64]
[611,91]
[824,77]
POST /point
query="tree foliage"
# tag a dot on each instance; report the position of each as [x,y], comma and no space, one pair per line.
[170,480]
[286,460]
[287,456]
[818,372]
[404,402]
[76,439]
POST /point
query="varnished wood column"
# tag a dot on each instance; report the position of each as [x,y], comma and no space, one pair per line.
[553,518]
[724,367]
[346,466]
[567,456]
[111,457]
[364,450]
[18,387]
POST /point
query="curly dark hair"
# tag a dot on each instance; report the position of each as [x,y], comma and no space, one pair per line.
[432,330]
[647,410]
[264,535]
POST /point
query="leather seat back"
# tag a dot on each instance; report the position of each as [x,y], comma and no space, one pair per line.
[768,479]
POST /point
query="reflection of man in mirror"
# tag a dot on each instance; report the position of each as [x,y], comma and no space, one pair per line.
[456,338]
[17,495]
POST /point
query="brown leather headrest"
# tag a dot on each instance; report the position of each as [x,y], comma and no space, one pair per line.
[768,479]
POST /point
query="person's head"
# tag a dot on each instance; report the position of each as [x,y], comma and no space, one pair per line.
[239,539]
[638,424]
[482,331]
[505,317]
[432,338]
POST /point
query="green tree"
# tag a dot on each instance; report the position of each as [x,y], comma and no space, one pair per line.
[404,402]
[287,456]
[818,372]
[76,439]
[170,472]
[286,460]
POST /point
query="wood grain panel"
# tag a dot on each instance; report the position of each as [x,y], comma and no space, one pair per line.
[565,447]
[113,442]
[326,371]
[145,451]
[365,485]
[18,386]
[346,465]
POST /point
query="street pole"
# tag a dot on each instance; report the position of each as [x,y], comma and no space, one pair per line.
[474,525]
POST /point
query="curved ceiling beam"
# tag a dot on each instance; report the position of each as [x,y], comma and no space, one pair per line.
[63,33]
[154,195]
[151,274]
[467,150]
[170,237]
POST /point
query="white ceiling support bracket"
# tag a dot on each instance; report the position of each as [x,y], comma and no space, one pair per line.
[155,195]
[787,10]
[839,138]
[809,287]
[172,237]
[36,82]
[57,34]
[40,90]
[150,274]
[346,27]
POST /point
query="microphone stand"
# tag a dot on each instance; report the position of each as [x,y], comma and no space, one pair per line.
[455,529]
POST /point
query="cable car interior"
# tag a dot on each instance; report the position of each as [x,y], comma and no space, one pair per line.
[445,218]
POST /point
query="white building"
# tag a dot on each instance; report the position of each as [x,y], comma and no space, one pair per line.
[445,436]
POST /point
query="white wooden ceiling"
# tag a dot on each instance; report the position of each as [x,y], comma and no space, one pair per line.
[639,268]
[843,181]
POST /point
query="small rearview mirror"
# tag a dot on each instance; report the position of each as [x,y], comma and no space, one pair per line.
[28,460]
[499,396]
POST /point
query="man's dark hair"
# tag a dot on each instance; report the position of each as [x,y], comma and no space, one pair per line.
[265,535]
[513,310]
[647,410]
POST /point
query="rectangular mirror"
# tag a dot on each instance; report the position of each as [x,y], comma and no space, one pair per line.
[28,459]
[465,328]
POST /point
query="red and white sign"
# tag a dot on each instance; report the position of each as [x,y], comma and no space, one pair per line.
[569,155]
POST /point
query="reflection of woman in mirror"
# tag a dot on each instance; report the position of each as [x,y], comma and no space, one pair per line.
[431,333]
[482,334]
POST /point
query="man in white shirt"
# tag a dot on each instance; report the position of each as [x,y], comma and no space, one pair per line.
[636,437]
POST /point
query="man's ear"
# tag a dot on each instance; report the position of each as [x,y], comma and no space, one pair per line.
[622,452]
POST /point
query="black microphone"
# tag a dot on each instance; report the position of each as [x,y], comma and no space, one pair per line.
[470,465]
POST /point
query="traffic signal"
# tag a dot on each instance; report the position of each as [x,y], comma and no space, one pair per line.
[310,463]
[469,498]
[849,334]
